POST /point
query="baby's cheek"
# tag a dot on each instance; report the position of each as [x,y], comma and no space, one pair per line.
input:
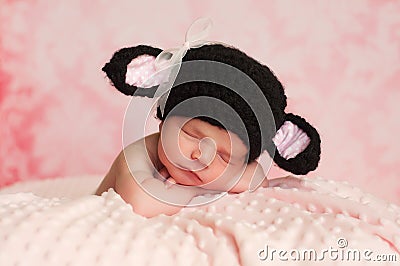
[220,175]
[218,168]
[186,147]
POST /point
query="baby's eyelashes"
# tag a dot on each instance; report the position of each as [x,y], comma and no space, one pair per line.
[190,134]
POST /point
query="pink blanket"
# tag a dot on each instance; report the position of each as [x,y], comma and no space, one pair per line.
[335,224]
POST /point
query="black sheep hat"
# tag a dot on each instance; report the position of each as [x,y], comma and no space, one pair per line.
[253,136]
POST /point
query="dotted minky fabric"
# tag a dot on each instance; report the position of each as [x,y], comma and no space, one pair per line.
[271,226]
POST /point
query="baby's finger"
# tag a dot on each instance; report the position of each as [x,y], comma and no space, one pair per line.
[169,182]
[289,182]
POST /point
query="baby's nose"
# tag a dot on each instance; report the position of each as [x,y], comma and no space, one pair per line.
[206,151]
[195,154]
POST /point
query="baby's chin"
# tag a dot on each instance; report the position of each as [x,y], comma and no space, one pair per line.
[188,181]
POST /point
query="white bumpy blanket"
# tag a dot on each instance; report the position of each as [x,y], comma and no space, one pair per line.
[336,224]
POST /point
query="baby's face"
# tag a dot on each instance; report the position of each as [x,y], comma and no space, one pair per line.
[196,153]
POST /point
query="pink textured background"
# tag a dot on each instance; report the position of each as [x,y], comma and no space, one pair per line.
[338,60]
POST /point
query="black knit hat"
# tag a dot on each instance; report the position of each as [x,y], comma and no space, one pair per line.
[257,136]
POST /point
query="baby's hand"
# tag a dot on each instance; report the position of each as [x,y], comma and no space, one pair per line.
[288,182]
[168,180]
[197,191]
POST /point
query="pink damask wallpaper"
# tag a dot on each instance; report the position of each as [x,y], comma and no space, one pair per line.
[338,60]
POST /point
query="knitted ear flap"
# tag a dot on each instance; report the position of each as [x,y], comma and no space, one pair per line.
[137,62]
[297,152]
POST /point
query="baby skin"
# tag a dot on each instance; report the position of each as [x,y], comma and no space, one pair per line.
[163,172]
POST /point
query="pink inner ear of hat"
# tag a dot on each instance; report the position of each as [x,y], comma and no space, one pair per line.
[141,72]
[290,140]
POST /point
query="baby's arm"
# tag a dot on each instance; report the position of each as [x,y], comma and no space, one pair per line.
[251,179]
[254,177]
[120,178]
[289,182]
[143,203]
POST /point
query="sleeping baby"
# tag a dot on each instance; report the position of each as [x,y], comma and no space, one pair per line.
[219,110]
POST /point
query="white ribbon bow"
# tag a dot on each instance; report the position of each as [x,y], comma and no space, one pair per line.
[172,58]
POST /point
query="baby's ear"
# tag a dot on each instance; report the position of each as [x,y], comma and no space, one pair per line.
[298,146]
[130,69]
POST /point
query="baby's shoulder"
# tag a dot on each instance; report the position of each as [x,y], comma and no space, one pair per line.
[152,139]
[149,142]
[144,149]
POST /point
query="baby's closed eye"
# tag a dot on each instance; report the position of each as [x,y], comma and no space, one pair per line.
[190,135]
